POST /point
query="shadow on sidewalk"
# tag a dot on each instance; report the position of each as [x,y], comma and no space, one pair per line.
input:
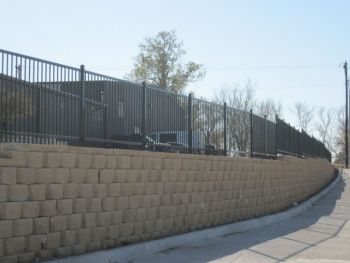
[274,243]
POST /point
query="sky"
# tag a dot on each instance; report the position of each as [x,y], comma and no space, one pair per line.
[293,49]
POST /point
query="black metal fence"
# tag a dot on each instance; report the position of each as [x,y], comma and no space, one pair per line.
[46,102]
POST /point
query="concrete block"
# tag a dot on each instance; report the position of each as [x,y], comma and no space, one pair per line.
[53,240]
[22,227]
[37,192]
[155,200]
[146,201]
[18,192]
[113,189]
[78,249]
[117,217]
[129,215]
[45,254]
[107,176]
[109,203]
[94,204]
[65,206]
[91,176]
[14,245]
[69,238]
[113,231]
[70,191]
[152,212]
[26,257]
[52,159]
[141,214]
[127,188]
[8,175]
[61,175]
[83,236]
[34,159]
[41,225]
[2,247]
[111,162]
[79,205]
[69,160]
[100,190]
[89,220]
[74,221]
[98,161]
[48,208]
[58,223]
[3,193]
[86,190]
[98,233]
[123,162]
[44,176]
[77,175]
[54,191]
[132,176]
[11,210]
[83,161]
[136,162]
[9,259]
[139,188]
[33,242]
[26,175]
[121,176]
[126,229]
[150,188]
[103,218]
[61,252]
[6,228]
[134,201]
[122,202]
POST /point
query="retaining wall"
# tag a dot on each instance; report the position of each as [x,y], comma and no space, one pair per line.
[58,201]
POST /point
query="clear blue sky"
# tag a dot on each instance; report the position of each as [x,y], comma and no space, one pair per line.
[291,49]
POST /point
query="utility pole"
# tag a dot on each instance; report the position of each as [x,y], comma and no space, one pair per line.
[346,115]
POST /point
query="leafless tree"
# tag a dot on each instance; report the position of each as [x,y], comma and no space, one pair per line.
[239,101]
[304,115]
[325,126]
[269,109]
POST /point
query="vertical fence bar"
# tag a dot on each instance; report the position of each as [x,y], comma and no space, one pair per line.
[276,135]
[82,105]
[225,129]
[144,113]
[265,117]
[189,118]
[251,134]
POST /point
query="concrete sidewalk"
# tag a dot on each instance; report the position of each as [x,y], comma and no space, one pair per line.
[321,234]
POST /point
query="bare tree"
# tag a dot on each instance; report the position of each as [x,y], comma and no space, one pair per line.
[339,137]
[240,101]
[304,115]
[269,109]
[325,127]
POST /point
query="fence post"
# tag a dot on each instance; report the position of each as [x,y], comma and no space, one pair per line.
[276,135]
[82,105]
[265,117]
[189,131]
[225,129]
[144,115]
[251,134]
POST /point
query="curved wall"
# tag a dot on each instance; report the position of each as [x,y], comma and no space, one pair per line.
[57,201]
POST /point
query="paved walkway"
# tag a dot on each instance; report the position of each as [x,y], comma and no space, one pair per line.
[321,234]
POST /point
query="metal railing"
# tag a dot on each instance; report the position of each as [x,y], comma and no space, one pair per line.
[46,102]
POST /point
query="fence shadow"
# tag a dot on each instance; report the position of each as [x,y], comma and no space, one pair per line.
[274,243]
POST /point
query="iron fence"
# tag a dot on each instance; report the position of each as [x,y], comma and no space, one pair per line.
[46,102]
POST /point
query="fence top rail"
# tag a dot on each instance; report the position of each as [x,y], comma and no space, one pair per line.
[37,59]
[156,88]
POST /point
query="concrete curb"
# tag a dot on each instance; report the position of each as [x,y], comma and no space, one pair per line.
[128,252]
